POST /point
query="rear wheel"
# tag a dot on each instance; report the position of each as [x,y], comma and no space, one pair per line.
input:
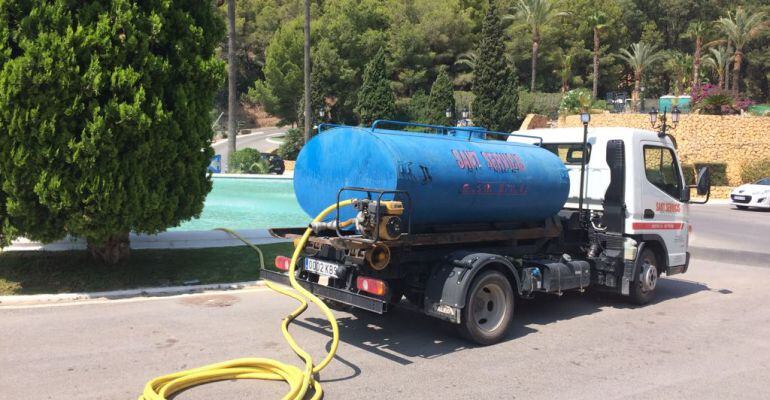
[488,309]
[643,288]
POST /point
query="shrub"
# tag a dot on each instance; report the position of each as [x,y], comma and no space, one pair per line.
[752,172]
[292,144]
[713,100]
[539,103]
[247,161]
[109,123]
[575,101]
[718,173]
[689,174]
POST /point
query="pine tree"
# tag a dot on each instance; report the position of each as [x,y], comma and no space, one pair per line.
[108,129]
[375,99]
[494,84]
[508,106]
[441,99]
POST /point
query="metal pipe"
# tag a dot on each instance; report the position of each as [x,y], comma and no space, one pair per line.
[583,169]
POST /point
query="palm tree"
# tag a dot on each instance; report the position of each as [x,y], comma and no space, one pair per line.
[696,30]
[598,21]
[741,28]
[641,56]
[536,14]
[718,61]
[232,75]
[564,61]
[306,72]
[467,60]
[679,66]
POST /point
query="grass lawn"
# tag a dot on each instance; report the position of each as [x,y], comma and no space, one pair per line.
[32,272]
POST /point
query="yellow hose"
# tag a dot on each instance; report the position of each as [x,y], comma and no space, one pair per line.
[299,380]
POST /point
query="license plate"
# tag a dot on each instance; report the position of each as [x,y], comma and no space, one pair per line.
[322,267]
[739,197]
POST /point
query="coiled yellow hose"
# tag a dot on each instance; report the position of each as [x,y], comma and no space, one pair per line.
[299,380]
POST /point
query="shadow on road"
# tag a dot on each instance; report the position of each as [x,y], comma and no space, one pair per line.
[402,335]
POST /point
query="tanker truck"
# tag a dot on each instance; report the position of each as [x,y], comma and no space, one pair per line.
[461,223]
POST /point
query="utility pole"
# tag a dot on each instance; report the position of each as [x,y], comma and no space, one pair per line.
[308,106]
[231,78]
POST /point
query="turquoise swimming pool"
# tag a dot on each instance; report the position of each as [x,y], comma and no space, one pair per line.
[243,203]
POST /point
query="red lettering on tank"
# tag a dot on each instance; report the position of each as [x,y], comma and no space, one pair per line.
[466,159]
[503,162]
[492,189]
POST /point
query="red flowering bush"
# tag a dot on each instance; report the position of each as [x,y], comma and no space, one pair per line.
[711,99]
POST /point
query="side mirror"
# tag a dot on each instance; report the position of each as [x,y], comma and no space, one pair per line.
[703,184]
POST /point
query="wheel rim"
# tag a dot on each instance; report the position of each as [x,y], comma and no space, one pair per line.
[649,277]
[489,307]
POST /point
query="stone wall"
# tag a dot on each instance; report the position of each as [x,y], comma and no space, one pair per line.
[534,121]
[726,143]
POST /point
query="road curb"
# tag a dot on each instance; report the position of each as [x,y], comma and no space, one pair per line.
[38,299]
[734,257]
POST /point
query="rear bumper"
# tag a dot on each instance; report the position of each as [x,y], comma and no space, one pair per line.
[343,296]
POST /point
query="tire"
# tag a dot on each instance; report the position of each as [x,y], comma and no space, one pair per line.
[640,294]
[488,309]
[742,207]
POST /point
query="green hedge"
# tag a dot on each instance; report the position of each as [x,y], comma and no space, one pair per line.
[539,103]
[247,161]
[718,173]
[752,172]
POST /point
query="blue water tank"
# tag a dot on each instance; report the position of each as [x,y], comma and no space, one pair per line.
[451,178]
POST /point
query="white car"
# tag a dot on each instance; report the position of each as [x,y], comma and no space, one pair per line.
[755,194]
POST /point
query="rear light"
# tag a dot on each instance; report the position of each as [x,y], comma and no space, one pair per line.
[282,263]
[372,286]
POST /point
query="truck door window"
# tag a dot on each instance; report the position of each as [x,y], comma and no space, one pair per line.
[662,171]
[569,153]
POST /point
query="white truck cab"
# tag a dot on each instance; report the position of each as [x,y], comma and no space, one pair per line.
[634,175]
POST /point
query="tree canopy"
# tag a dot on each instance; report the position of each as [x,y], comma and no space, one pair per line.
[420,37]
[493,78]
[105,124]
[375,99]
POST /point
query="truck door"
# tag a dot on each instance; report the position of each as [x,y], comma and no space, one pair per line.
[663,209]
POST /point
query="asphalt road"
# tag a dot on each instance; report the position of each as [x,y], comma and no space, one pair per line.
[723,233]
[258,140]
[704,338]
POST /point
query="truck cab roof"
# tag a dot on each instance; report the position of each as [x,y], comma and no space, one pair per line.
[575,135]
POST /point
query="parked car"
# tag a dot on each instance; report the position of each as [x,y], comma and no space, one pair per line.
[755,194]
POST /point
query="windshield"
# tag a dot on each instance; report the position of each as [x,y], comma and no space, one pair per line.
[765,182]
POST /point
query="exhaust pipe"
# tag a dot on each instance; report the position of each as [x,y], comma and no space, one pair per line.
[378,257]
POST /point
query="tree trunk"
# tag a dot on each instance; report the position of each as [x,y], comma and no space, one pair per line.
[115,249]
[597,43]
[737,70]
[721,73]
[727,66]
[535,46]
[231,79]
[696,62]
[635,93]
[308,105]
